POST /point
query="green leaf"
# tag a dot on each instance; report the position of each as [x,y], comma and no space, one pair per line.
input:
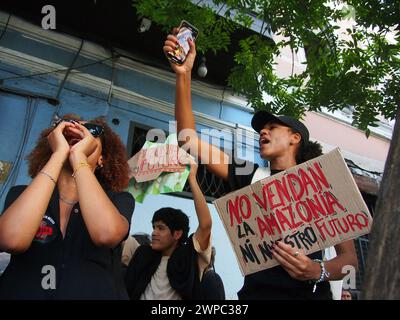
[367,133]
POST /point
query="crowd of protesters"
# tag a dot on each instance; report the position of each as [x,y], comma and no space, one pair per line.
[75,217]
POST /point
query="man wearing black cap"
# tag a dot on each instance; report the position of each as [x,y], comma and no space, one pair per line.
[284,142]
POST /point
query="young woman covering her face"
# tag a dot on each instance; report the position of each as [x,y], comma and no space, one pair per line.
[64,229]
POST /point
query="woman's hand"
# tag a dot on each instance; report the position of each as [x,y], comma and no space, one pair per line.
[58,143]
[296,263]
[82,150]
[170,45]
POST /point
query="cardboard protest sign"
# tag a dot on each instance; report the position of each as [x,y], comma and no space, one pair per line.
[155,158]
[158,168]
[311,206]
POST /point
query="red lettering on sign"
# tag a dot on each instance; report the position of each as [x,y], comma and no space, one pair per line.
[294,181]
[245,213]
[237,211]
[332,201]
[318,176]
[307,181]
[268,224]
[262,203]
[272,195]
[283,220]
[315,206]
[300,206]
[233,209]
[262,227]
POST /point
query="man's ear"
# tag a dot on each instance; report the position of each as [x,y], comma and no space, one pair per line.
[177,234]
[295,138]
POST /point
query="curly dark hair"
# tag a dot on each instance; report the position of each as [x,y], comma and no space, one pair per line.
[175,219]
[308,151]
[114,174]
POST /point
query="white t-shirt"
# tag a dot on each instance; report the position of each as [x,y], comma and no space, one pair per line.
[159,287]
[261,173]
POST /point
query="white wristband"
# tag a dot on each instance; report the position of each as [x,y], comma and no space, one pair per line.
[324,274]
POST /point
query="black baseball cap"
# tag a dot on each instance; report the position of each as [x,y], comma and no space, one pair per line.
[261,118]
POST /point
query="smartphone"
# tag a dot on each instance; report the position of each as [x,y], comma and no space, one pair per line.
[186,31]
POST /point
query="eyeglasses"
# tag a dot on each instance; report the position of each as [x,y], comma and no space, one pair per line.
[95,129]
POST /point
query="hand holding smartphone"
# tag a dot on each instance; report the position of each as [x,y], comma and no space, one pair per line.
[186,32]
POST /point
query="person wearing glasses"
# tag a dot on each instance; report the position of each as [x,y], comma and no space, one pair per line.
[284,142]
[65,228]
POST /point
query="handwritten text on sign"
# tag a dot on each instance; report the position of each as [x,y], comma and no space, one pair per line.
[311,206]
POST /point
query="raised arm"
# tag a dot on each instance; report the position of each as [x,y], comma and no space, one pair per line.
[21,220]
[187,136]
[203,231]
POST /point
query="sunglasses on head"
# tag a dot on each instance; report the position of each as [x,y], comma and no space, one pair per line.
[96,130]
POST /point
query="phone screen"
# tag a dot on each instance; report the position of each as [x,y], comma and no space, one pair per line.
[186,32]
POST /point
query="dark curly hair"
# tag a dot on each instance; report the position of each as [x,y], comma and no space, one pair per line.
[175,219]
[114,174]
[307,151]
